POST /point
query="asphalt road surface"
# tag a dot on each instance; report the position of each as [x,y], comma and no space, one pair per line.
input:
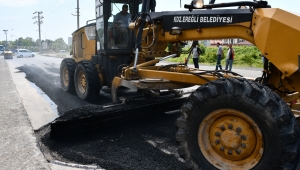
[146,142]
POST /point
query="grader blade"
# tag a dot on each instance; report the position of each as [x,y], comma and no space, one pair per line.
[94,116]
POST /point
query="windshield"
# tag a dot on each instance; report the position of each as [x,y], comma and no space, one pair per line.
[1,48]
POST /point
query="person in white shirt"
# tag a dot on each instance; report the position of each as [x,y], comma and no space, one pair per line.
[196,53]
[219,56]
[229,57]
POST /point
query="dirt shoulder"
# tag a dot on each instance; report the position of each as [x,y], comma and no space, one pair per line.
[56,55]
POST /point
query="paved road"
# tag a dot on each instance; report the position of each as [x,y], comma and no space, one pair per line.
[33,85]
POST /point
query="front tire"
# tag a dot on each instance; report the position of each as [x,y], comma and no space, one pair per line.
[87,82]
[237,124]
[67,70]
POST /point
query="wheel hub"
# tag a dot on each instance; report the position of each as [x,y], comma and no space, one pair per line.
[66,76]
[229,135]
[82,82]
[229,138]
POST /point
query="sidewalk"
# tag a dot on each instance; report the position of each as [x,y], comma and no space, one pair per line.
[18,146]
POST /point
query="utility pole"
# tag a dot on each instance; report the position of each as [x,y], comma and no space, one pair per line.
[77,14]
[6,37]
[39,22]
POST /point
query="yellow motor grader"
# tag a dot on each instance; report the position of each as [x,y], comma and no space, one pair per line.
[229,122]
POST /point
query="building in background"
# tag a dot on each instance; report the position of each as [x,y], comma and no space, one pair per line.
[230,41]
[69,41]
[44,45]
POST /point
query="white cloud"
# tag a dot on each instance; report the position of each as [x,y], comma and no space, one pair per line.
[13,3]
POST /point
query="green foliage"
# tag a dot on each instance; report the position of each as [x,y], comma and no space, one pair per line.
[243,56]
[32,45]
[58,44]
[202,48]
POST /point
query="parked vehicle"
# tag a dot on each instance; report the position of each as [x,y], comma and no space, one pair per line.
[20,53]
[8,54]
[2,49]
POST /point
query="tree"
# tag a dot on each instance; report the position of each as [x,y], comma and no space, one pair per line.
[20,41]
[58,44]
[37,42]
[28,42]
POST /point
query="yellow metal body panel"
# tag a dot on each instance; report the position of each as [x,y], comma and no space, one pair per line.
[83,49]
[277,35]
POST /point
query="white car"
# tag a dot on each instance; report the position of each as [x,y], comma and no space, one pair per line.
[20,53]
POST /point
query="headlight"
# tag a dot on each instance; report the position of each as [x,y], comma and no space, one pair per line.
[198,3]
[176,31]
[90,32]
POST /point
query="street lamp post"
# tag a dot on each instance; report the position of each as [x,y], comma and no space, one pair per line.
[17,42]
[6,37]
[12,40]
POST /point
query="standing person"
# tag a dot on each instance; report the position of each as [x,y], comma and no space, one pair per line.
[229,57]
[196,53]
[219,56]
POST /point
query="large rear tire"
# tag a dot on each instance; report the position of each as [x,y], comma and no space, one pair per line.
[237,124]
[67,70]
[87,81]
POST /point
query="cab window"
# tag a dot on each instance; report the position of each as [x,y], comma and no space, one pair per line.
[118,33]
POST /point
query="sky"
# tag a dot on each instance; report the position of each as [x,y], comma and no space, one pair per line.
[59,21]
